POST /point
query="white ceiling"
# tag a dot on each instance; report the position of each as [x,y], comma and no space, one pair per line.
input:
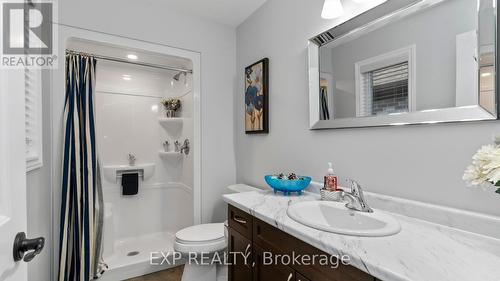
[228,12]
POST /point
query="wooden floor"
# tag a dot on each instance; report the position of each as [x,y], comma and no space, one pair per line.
[173,274]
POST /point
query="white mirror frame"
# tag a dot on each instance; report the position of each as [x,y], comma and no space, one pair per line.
[431,116]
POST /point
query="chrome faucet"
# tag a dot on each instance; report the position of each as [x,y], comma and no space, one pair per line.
[356,198]
[131,159]
[185,147]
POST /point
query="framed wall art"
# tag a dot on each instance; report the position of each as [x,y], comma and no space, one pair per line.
[257,97]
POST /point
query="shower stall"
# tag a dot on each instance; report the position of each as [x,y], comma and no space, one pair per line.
[139,136]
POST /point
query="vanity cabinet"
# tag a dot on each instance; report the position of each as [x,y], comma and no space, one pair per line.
[299,277]
[269,272]
[239,270]
[262,241]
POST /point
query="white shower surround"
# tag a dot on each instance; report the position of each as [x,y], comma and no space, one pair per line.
[58,77]
[127,121]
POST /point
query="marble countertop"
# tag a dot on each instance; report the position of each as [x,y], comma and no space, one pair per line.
[422,251]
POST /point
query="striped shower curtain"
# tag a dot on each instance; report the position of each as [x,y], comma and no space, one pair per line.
[81,201]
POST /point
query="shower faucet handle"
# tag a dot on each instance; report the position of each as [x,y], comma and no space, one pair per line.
[185,147]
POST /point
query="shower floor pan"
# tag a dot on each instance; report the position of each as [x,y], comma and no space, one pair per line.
[131,256]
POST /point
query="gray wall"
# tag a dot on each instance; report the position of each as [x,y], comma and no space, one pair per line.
[435,63]
[423,163]
[39,195]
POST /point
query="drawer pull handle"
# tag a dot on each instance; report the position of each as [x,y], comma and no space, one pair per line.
[290,277]
[239,220]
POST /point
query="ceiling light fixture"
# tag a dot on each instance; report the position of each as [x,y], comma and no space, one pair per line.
[126,77]
[132,57]
[332,9]
[486,74]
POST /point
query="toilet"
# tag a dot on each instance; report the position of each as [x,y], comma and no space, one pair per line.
[209,239]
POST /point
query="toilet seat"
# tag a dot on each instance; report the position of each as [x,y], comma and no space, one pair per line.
[201,238]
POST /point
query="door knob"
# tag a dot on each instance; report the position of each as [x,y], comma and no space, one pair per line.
[23,245]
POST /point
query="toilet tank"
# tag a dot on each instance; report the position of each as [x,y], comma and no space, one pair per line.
[238,188]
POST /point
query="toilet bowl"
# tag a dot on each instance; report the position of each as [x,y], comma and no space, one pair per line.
[199,243]
[205,240]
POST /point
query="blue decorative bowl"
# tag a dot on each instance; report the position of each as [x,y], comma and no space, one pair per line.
[287,186]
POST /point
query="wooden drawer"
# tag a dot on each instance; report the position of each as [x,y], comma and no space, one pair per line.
[299,277]
[274,240]
[270,272]
[240,269]
[240,221]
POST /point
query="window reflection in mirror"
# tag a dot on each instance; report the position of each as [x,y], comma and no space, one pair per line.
[487,26]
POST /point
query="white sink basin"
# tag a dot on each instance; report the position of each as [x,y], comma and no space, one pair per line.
[335,217]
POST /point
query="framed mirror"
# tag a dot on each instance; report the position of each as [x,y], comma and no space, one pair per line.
[406,62]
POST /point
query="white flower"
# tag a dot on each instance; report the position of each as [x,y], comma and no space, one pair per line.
[494,176]
[485,168]
[474,176]
[488,155]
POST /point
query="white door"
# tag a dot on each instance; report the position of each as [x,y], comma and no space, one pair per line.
[12,172]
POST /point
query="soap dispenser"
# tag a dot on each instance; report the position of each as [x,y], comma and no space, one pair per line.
[330,182]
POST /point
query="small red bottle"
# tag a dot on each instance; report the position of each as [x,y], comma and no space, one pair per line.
[330,181]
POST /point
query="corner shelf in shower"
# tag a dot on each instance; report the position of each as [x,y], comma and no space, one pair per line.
[170,155]
[172,122]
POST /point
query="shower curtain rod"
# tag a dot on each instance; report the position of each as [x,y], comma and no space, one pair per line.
[130,62]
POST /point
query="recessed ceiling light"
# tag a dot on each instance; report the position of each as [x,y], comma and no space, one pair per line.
[132,57]
[332,9]
[126,77]
[486,74]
